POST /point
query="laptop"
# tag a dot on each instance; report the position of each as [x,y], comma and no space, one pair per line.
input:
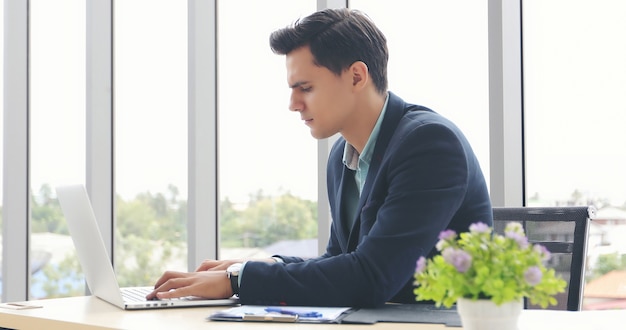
[96,264]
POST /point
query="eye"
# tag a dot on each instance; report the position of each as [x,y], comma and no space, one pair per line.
[306,89]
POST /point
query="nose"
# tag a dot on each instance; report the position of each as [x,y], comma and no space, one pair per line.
[295,104]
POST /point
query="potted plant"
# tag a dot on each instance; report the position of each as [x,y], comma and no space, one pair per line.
[481,267]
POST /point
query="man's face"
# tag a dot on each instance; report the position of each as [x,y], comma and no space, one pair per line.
[324,100]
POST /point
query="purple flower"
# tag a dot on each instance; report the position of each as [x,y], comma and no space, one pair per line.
[444,237]
[479,227]
[543,251]
[460,259]
[421,265]
[533,275]
[447,234]
[521,239]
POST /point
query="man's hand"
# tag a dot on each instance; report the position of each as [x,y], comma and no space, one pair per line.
[206,284]
[210,264]
[208,281]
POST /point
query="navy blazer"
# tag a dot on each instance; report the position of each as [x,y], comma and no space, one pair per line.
[423,178]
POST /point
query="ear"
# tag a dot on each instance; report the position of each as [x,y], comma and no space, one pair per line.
[360,74]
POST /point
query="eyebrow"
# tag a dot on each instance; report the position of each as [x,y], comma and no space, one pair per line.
[298,84]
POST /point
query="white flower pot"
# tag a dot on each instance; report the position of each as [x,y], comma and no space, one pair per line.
[484,314]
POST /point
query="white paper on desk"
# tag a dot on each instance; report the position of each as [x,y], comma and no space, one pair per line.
[329,314]
[19,306]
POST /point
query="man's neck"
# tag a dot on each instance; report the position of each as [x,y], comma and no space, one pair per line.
[364,120]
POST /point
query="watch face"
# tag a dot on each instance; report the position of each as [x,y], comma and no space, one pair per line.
[234,269]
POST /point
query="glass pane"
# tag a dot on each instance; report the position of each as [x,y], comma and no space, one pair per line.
[57,140]
[574,83]
[439,59]
[267,159]
[150,138]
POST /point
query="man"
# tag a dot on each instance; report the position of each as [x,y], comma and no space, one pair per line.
[398,176]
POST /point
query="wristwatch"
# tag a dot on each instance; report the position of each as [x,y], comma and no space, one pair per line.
[233,274]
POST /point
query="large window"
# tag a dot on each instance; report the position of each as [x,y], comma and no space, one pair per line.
[150,138]
[267,158]
[574,83]
[267,162]
[57,139]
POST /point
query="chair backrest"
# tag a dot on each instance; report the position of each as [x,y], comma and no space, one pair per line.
[563,231]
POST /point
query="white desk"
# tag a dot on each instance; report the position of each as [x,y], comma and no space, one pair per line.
[93,313]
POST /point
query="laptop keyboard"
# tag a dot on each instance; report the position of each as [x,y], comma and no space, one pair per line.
[132,294]
[135,294]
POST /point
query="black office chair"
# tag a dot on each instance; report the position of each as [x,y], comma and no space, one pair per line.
[564,232]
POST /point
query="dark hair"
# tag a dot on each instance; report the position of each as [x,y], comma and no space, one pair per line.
[337,38]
